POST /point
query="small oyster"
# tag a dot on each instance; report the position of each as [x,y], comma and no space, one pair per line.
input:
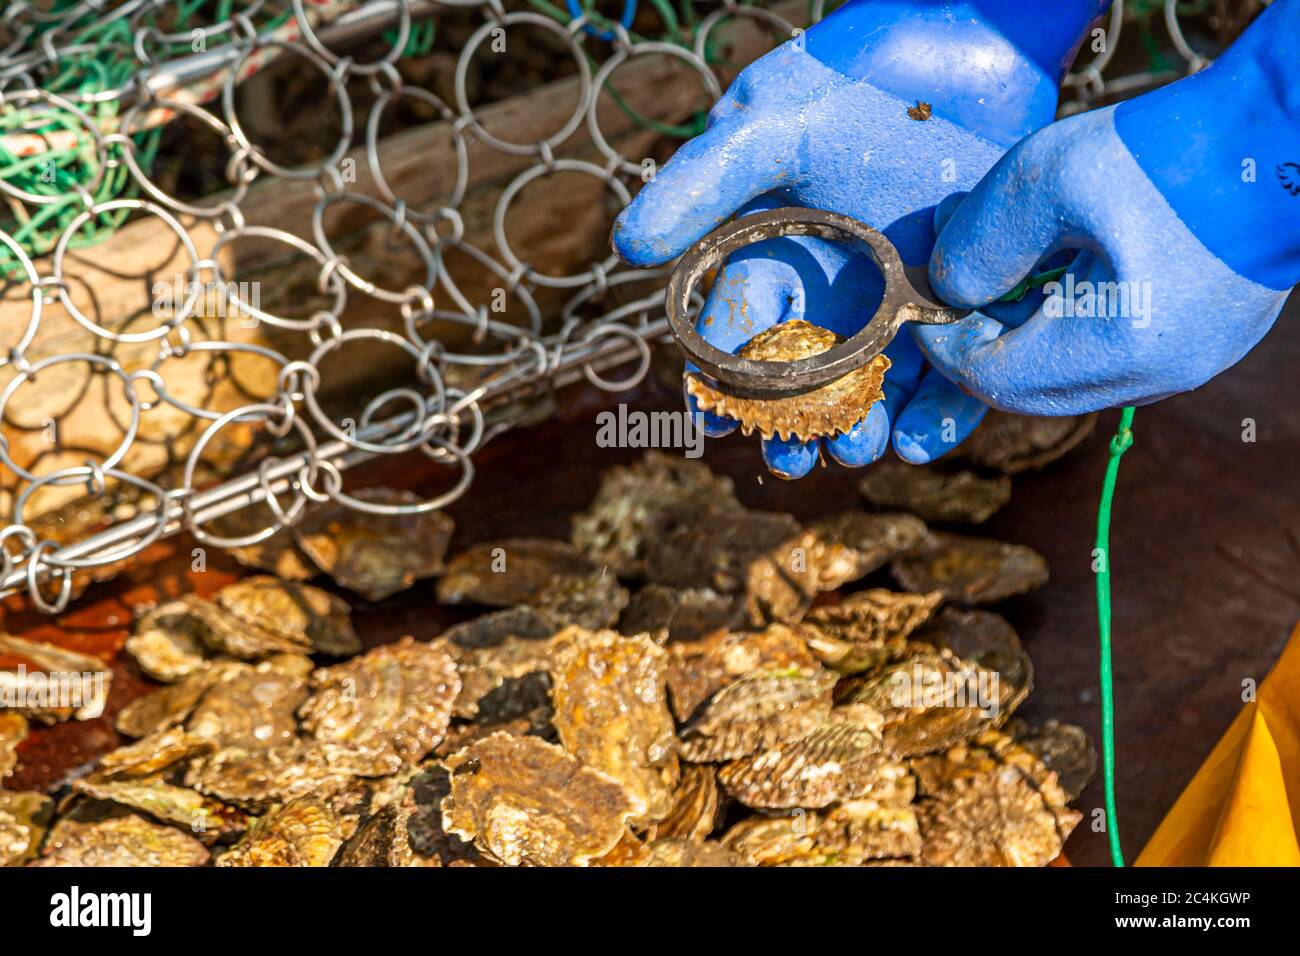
[251,707]
[385,709]
[849,834]
[696,804]
[1014,443]
[636,504]
[13,731]
[970,570]
[166,642]
[307,831]
[223,633]
[172,704]
[985,638]
[207,820]
[256,779]
[828,410]
[696,674]
[305,617]
[524,801]
[957,497]
[843,759]
[852,544]
[54,683]
[24,818]
[611,713]
[866,629]
[991,803]
[761,709]
[548,575]
[932,700]
[150,754]
[120,841]
[1064,749]
[375,555]
[488,630]
[678,614]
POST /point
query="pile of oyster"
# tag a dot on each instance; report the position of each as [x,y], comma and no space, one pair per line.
[685,682]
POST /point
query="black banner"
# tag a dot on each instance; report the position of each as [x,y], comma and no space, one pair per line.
[131,908]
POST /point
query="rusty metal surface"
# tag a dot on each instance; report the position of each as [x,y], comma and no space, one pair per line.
[1203,551]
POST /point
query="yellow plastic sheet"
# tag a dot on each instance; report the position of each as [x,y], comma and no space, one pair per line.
[1243,806]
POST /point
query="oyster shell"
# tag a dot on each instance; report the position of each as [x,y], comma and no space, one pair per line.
[208,820]
[970,570]
[943,496]
[24,818]
[55,683]
[13,731]
[696,804]
[841,760]
[849,834]
[828,410]
[678,614]
[151,754]
[128,840]
[548,575]
[866,629]
[679,853]
[223,633]
[166,642]
[385,709]
[304,617]
[375,555]
[278,554]
[932,700]
[1014,443]
[991,803]
[484,669]
[172,704]
[256,779]
[524,801]
[487,630]
[251,707]
[638,503]
[307,831]
[610,712]
[761,709]
[696,673]
[987,639]
[852,544]
[1064,749]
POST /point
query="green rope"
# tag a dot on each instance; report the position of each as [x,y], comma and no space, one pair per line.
[1120,443]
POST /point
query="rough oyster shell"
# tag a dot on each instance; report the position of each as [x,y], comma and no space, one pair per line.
[610,712]
[24,818]
[128,840]
[385,709]
[970,570]
[304,617]
[960,496]
[307,831]
[524,801]
[828,410]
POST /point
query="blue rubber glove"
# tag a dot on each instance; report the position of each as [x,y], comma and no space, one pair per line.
[823,121]
[1182,208]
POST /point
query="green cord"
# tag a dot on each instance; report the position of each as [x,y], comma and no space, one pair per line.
[1120,443]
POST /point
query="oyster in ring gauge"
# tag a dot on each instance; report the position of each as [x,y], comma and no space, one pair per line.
[828,410]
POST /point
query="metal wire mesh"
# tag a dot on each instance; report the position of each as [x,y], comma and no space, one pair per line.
[79,145]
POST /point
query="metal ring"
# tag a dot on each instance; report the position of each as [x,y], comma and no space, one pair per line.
[758,379]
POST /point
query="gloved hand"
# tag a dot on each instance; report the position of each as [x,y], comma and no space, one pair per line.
[1184,208]
[824,121]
